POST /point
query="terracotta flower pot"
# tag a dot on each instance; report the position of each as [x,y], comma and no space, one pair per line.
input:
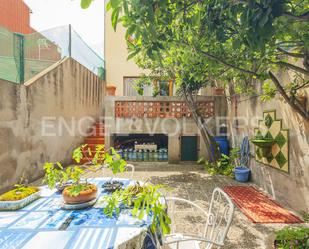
[110,90]
[84,196]
[219,91]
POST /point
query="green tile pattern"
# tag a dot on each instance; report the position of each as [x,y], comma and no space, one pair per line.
[280,140]
[281,160]
[271,127]
[268,121]
[268,135]
[270,158]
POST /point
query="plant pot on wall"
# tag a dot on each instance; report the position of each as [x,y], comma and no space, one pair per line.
[111,90]
[264,145]
[218,91]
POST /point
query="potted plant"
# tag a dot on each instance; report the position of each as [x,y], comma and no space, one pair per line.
[264,144]
[109,158]
[242,155]
[218,91]
[76,190]
[143,199]
[55,176]
[19,197]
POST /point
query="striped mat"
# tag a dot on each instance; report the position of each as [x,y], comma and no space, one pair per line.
[258,207]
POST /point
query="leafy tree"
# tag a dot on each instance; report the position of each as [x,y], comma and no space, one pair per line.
[207,42]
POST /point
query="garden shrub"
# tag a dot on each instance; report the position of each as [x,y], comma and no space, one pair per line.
[294,238]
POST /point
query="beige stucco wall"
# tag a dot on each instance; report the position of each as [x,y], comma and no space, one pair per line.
[65,93]
[290,188]
[173,128]
[115,51]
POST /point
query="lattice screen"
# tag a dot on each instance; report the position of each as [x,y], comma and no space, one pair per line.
[162,109]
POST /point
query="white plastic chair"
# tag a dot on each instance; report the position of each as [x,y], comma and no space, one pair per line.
[218,221]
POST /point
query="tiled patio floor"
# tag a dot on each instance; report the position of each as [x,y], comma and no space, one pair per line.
[193,183]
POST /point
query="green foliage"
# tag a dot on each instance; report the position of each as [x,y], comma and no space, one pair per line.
[296,238]
[55,173]
[114,162]
[85,3]
[305,216]
[19,193]
[76,189]
[224,166]
[144,200]
[110,158]
[269,91]
[198,43]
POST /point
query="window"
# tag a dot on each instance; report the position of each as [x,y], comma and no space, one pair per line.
[129,89]
[165,87]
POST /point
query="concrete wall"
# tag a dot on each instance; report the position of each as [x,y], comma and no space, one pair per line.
[33,118]
[291,188]
[174,128]
[116,53]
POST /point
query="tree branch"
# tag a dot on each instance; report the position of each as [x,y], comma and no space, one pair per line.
[296,55]
[291,66]
[221,61]
[295,105]
[304,17]
[302,86]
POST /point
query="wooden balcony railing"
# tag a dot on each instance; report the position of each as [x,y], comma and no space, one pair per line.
[160,109]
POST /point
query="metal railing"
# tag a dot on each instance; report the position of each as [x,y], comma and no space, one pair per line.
[24,56]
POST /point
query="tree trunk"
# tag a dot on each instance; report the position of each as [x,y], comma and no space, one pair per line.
[212,149]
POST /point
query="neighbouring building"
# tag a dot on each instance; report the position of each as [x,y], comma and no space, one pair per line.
[15,16]
[123,73]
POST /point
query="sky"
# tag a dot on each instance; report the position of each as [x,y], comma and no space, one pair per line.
[89,23]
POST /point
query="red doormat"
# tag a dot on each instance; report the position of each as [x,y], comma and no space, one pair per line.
[258,207]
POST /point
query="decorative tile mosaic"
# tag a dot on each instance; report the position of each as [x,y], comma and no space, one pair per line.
[271,127]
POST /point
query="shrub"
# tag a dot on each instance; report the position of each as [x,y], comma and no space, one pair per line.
[295,238]
[224,166]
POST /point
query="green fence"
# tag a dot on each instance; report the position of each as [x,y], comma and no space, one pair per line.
[24,56]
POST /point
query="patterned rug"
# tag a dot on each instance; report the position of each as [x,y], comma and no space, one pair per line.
[258,207]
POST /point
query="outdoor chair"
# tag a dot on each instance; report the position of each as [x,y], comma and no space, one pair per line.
[217,223]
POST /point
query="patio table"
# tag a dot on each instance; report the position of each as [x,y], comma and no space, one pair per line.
[43,224]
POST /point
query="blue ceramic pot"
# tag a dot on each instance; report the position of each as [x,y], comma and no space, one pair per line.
[242,174]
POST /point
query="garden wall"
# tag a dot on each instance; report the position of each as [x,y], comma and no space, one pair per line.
[40,120]
[292,188]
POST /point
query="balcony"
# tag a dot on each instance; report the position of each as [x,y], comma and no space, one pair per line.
[163,108]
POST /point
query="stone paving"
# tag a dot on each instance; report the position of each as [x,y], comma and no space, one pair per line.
[193,183]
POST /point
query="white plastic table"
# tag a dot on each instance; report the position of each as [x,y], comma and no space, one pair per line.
[44,225]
